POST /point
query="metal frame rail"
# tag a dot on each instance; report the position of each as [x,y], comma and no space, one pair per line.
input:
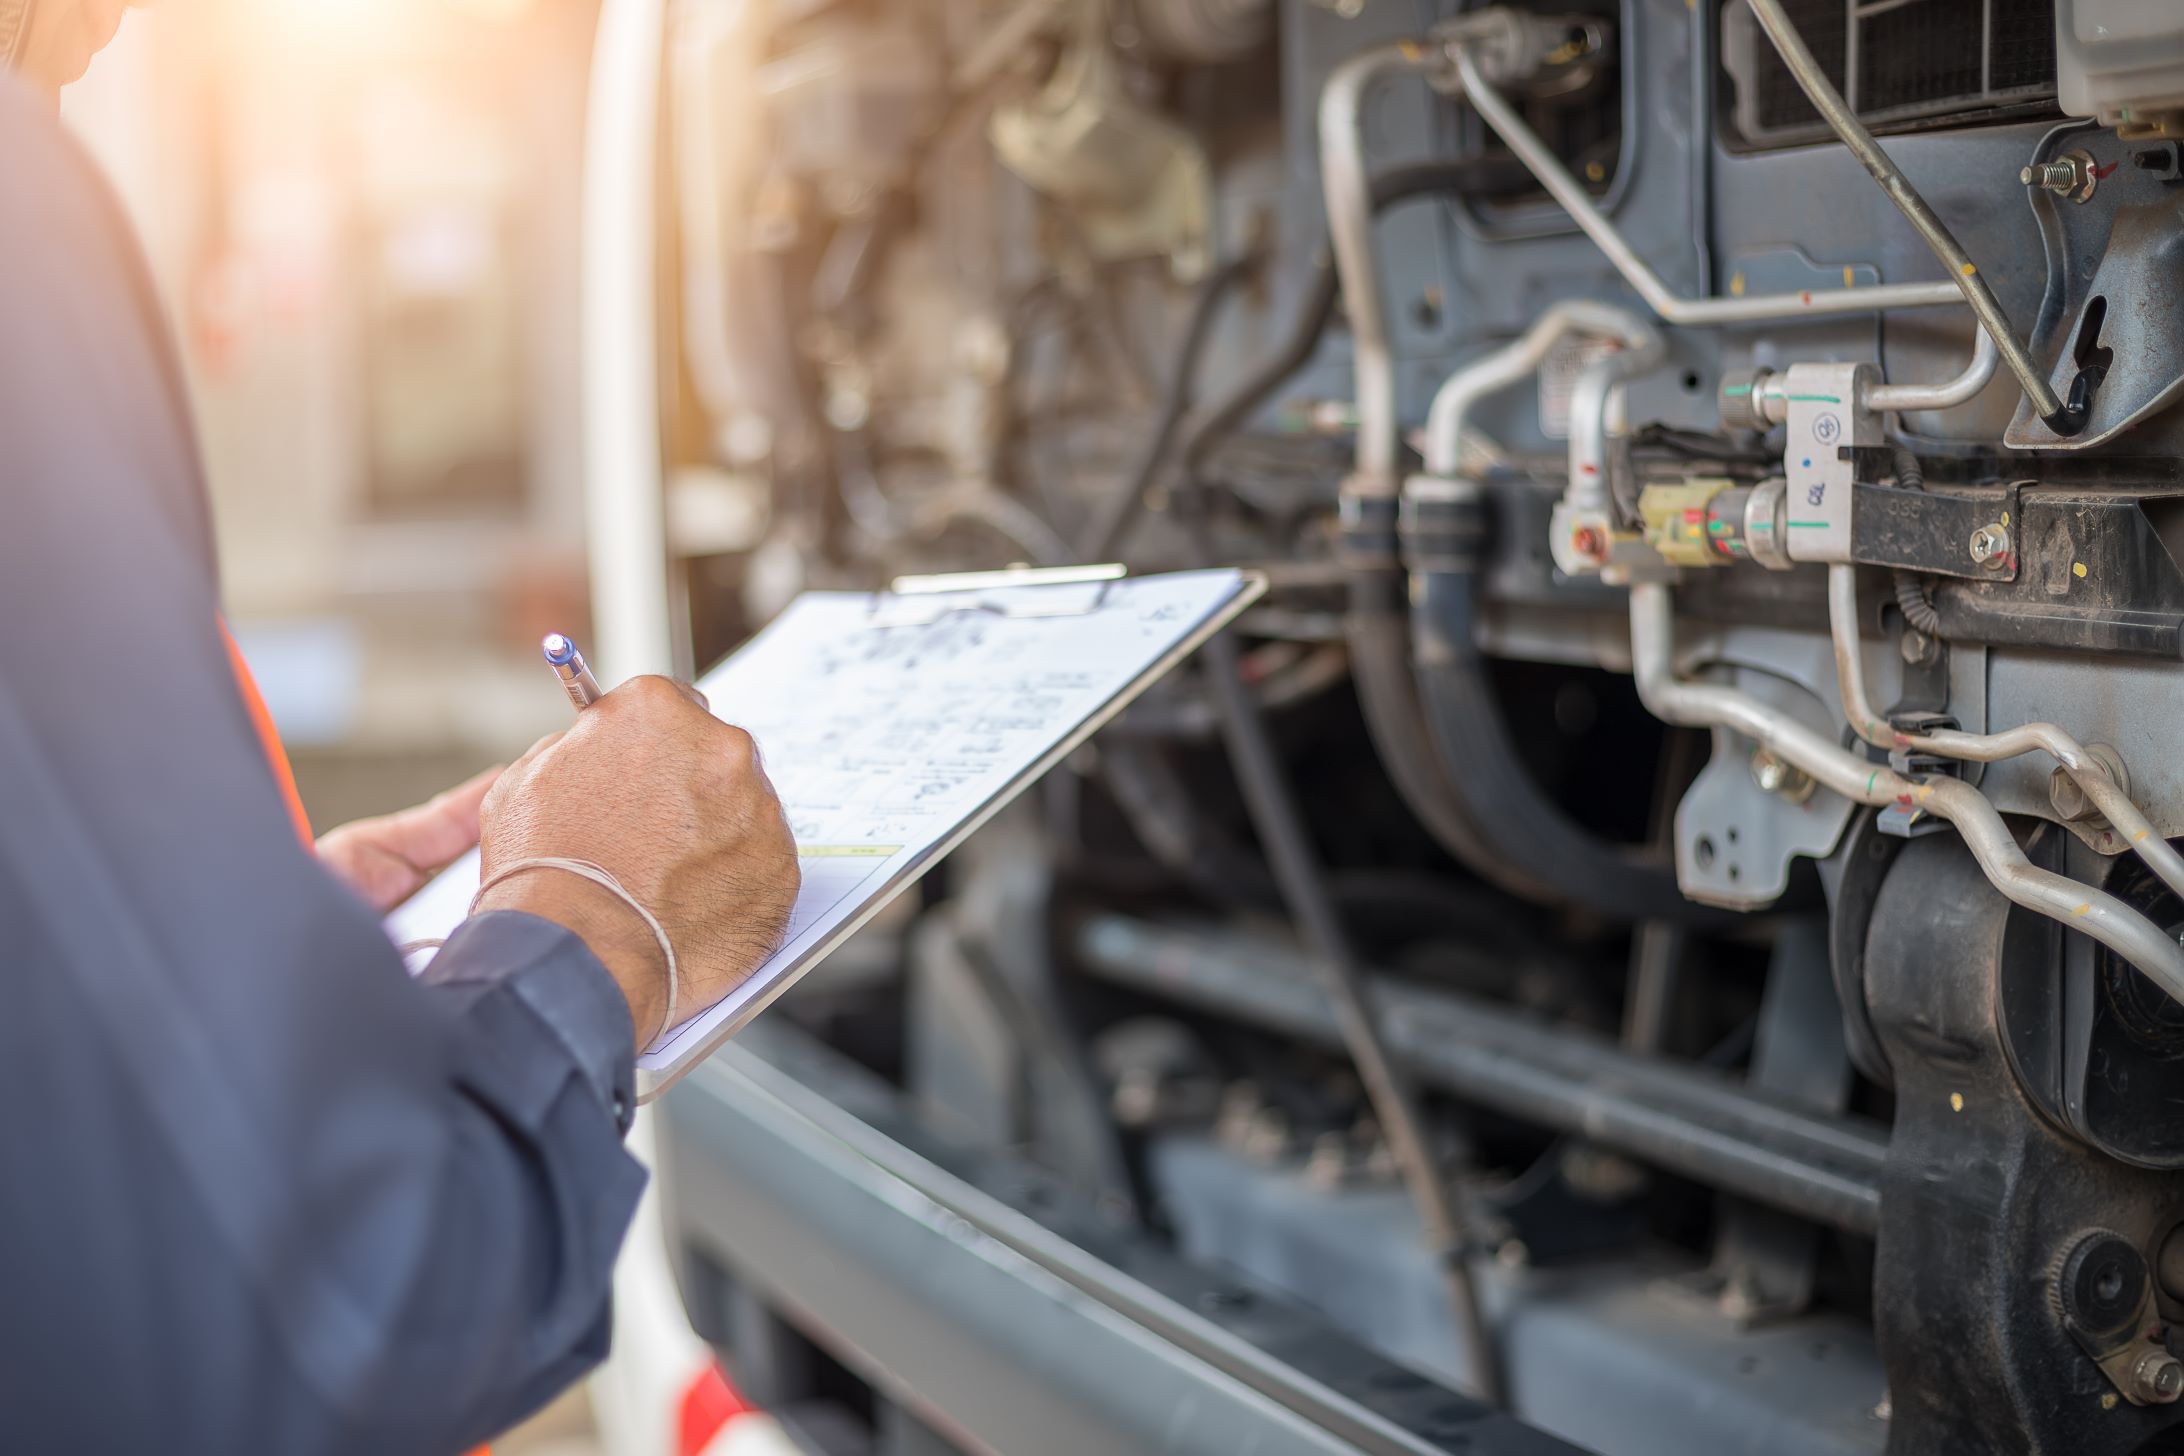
[1674,1115]
[995,1305]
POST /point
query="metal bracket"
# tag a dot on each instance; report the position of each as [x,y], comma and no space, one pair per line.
[1737,833]
[1932,530]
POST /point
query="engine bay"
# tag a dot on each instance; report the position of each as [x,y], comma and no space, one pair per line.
[1664,921]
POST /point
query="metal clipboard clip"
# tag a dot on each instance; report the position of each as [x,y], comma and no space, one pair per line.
[1056,591]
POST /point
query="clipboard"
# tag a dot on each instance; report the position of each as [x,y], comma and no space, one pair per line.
[925,709]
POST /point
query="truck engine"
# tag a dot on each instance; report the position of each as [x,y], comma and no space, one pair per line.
[1661,931]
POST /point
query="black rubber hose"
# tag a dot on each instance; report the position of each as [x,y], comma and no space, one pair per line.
[1389,1087]
[1540,848]
[1435,720]
[1376,626]
[1377,629]
[1914,596]
[1475,175]
[1917,606]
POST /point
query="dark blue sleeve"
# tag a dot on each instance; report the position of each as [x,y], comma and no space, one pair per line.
[260,1191]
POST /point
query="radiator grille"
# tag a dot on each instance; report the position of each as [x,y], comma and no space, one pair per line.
[1918,63]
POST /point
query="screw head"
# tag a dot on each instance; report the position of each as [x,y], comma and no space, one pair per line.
[2158,1378]
[1587,542]
[1990,546]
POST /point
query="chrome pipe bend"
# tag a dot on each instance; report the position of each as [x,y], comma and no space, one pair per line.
[1705,705]
[2087,772]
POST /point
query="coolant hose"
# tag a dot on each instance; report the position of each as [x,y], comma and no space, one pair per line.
[1377,630]
[1536,849]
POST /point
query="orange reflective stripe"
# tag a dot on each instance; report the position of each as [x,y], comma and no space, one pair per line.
[269,738]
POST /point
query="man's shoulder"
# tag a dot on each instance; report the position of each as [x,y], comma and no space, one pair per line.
[86,363]
[34,143]
[56,208]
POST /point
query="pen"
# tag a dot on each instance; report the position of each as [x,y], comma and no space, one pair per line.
[568,665]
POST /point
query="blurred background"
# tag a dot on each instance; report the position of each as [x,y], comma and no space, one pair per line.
[362,217]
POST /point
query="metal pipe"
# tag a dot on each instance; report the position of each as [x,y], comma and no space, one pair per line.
[1517,361]
[2087,772]
[626,544]
[625,511]
[1901,398]
[1709,705]
[1963,273]
[1348,192]
[1596,411]
[1759,307]
[1677,1116]
[2058,897]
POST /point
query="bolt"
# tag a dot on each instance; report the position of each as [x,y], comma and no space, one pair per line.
[1586,542]
[2068,797]
[1916,647]
[1991,546]
[2073,175]
[1780,777]
[2157,1378]
[2071,803]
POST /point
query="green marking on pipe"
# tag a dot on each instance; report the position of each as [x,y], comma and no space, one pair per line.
[1736,390]
[1807,525]
[1815,398]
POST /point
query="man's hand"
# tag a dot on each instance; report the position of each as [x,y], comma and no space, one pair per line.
[671,801]
[388,859]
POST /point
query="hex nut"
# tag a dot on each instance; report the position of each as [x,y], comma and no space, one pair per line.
[2068,797]
[1990,546]
[2074,175]
[2069,800]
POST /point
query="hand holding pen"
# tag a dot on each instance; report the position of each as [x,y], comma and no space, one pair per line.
[569,666]
[671,804]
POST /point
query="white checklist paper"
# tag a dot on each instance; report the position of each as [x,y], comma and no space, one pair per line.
[892,726]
